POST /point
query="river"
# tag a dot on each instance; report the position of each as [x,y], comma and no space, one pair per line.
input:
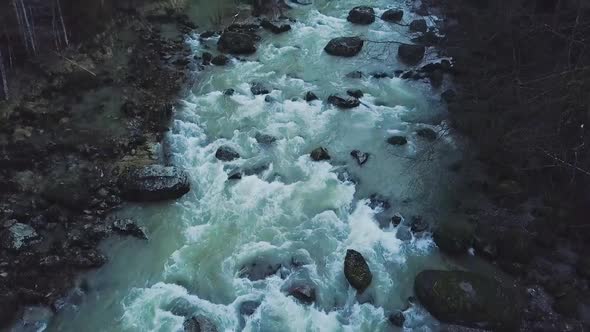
[287,210]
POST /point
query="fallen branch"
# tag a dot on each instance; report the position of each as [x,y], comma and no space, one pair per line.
[563,162]
[77,65]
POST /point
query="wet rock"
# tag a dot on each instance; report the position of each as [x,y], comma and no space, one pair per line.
[396,220]
[418,224]
[344,103]
[397,140]
[8,308]
[237,43]
[18,236]
[411,54]
[454,237]
[276,29]
[310,96]
[356,270]
[378,201]
[361,15]
[129,227]
[380,75]
[393,15]
[269,99]
[319,154]
[360,157]
[248,308]
[199,323]
[418,25]
[207,34]
[225,153]
[265,139]
[303,292]
[259,270]
[427,133]
[258,88]
[236,175]
[397,318]
[470,299]
[358,94]
[154,183]
[229,92]
[344,46]
[428,38]
[220,60]
[436,78]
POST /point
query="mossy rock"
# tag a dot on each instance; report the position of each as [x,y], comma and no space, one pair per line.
[470,299]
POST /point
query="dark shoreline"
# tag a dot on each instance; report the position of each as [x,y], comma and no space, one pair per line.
[73,123]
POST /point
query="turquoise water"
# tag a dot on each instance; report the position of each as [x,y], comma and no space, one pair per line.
[291,208]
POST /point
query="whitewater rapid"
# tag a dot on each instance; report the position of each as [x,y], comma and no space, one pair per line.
[289,208]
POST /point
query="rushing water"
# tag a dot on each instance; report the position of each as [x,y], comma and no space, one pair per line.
[290,209]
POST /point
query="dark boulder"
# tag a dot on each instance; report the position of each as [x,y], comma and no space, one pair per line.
[397,140]
[154,183]
[319,154]
[248,308]
[397,318]
[344,103]
[360,157]
[310,96]
[303,292]
[220,60]
[418,25]
[237,43]
[454,237]
[392,15]
[411,54]
[418,224]
[225,153]
[356,93]
[265,139]
[207,57]
[344,46]
[427,133]
[207,34]
[229,92]
[199,323]
[470,299]
[274,28]
[361,15]
[258,88]
[356,270]
[259,270]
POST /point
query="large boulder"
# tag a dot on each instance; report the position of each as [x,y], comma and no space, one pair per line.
[392,15]
[226,153]
[275,28]
[344,46]
[411,54]
[418,25]
[319,154]
[356,270]
[361,15]
[469,299]
[237,42]
[344,103]
[154,183]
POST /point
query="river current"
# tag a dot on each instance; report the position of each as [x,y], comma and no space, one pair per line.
[287,210]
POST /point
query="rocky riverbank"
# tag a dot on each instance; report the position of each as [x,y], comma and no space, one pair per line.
[73,123]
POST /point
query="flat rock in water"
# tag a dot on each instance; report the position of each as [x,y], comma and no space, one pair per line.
[361,15]
[344,103]
[356,270]
[344,46]
[392,15]
[237,43]
[199,323]
[411,54]
[154,183]
[470,299]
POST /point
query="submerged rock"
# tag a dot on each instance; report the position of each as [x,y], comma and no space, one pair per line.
[225,153]
[237,43]
[199,323]
[361,15]
[319,154]
[467,298]
[248,308]
[418,25]
[276,29]
[154,183]
[355,74]
[392,15]
[344,46]
[411,54]
[360,157]
[265,139]
[397,140]
[18,236]
[258,88]
[345,103]
[356,270]
[303,292]
[259,270]
[220,60]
